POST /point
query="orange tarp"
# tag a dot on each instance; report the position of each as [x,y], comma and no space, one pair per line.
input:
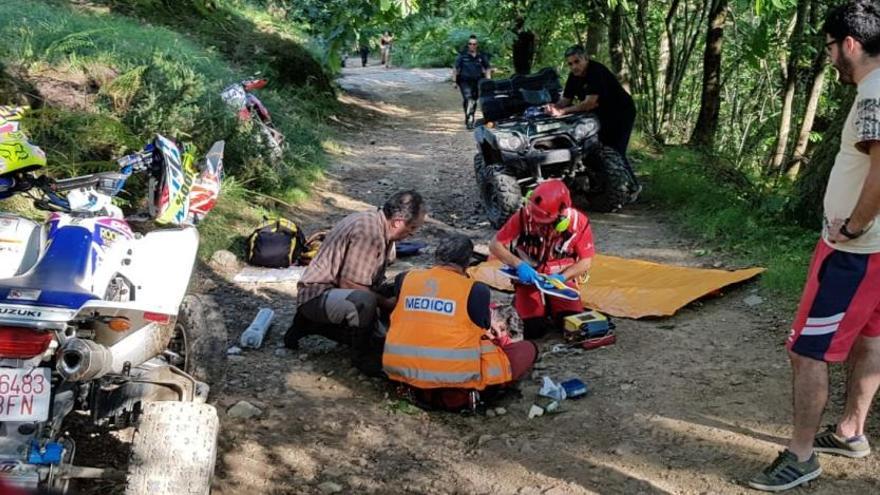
[635,288]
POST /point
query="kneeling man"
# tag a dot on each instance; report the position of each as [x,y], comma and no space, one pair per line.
[439,341]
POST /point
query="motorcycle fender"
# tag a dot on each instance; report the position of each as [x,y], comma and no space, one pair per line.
[20,243]
[162,263]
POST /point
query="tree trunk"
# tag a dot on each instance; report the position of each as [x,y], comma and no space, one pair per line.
[800,150]
[778,157]
[615,46]
[596,29]
[710,101]
[647,68]
[817,72]
[665,66]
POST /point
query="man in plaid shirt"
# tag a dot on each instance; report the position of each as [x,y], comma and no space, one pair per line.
[338,294]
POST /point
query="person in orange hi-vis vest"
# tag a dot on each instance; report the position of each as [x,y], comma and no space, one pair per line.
[440,341]
[548,236]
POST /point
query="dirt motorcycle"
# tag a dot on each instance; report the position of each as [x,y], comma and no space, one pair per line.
[240,97]
[95,318]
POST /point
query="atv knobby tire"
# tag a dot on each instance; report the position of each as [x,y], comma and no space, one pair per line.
[204,334]
[499,192]
[174,449]
[610,183]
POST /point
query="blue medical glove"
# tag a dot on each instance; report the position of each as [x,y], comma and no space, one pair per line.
[526,273]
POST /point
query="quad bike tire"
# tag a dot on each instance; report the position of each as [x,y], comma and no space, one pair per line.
[174,449]
[204,334]
[499,192]
[610,184]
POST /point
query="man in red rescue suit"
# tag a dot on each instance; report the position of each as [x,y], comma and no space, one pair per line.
[442,341]
[549,236]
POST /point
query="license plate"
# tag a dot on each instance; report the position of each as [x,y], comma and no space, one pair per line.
[24,394]
[547,127]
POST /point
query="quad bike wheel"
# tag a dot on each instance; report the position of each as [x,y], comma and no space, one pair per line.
[174,449]
[200,337]
[611,185]
[499,192]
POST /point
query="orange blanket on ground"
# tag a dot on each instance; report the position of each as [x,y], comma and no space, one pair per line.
[635,288]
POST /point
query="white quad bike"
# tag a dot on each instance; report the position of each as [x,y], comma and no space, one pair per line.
[96,318]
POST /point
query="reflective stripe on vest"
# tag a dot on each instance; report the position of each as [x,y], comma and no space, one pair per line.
[495,371]
[433,376]
[433,353]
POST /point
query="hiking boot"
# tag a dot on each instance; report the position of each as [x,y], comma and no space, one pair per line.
[786,472]
[830,442]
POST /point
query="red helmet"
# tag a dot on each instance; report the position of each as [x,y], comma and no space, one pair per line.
[548,201]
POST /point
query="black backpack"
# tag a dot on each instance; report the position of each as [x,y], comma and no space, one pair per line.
[275,244]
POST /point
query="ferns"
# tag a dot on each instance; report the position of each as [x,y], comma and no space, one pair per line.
[124,88]
[71,45]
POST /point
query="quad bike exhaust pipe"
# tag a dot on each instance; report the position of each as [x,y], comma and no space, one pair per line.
[82,360]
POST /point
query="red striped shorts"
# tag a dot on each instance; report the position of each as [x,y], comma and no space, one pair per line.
[840,302]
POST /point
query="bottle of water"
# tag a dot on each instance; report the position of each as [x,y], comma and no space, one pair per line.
[253,336]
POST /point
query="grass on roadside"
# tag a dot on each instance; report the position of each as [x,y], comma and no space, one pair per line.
[706,204]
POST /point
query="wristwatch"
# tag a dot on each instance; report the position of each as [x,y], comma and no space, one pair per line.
[850,235]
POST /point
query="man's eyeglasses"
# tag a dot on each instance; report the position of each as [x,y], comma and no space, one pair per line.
[472,44]
[828,45]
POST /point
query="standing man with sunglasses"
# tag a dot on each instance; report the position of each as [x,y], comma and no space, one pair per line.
[470,67]
[838,319]
[597,90]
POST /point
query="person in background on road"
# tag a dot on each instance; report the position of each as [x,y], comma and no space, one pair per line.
[548,236]
[597,90]
[839,314]
[338,296]
[470,67]
[443,341]
[364,50]
[523,47]
[385,43]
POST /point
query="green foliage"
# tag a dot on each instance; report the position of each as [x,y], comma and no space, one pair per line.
[244,33]
[75,139]
[116,81]
[743,222]
[149,80]
[124,88]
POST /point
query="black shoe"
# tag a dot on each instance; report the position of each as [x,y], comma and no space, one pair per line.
[298,329]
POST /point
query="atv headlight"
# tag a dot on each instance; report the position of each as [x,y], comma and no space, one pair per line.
[510,141]
[583,129]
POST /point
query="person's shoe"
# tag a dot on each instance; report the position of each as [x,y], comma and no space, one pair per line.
[830,442]
[298,329]
[786,473]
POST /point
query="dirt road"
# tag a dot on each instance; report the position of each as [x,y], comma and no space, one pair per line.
[690,404]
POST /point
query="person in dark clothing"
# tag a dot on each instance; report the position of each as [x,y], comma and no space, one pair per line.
[597,90]
[523,48]
[470,67]
[364,50]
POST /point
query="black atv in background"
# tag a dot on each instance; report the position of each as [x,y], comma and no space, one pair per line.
[519,145]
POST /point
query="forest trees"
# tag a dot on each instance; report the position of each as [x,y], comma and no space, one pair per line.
[743,80]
